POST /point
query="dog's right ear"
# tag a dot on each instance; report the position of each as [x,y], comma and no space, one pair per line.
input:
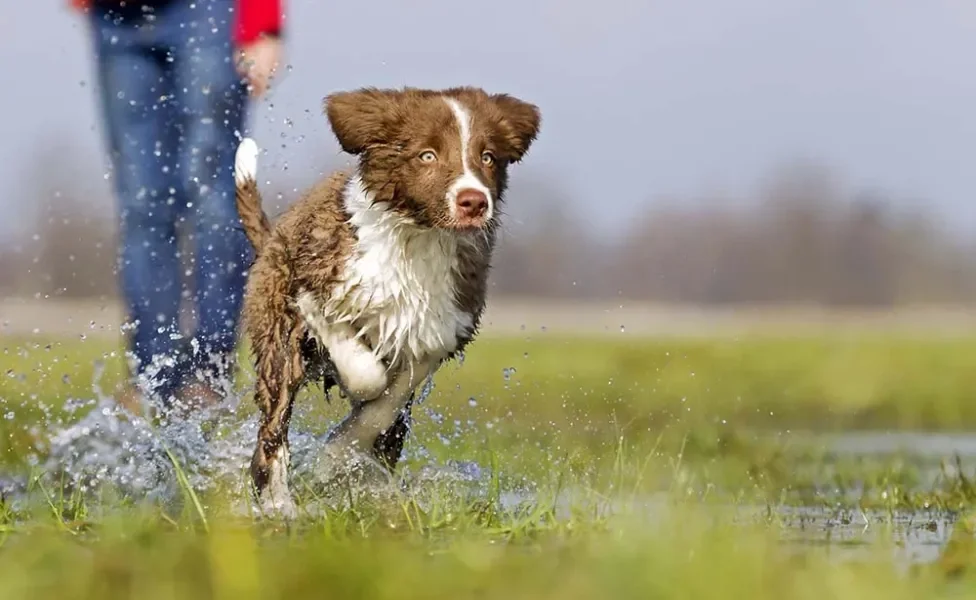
[362,117]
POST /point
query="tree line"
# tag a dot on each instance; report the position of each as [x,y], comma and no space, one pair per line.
[801,239]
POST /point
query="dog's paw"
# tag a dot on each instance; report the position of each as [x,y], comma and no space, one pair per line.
[274,506]
[275,501]
[363,375]
[246,162]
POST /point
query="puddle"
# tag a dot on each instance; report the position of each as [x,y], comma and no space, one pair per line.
[919,445]
[846,535]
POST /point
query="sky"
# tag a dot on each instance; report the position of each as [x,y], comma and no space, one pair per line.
[642,100]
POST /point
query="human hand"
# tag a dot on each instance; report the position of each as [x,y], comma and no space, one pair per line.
[258,62]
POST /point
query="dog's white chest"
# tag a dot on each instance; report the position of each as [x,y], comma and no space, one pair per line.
[398,289]
[400,293]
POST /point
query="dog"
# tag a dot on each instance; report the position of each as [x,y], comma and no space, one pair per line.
[377,275]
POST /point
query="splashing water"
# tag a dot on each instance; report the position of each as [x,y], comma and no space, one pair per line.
[111,446]
[99,444]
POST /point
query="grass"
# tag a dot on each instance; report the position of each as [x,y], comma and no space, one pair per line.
[830,382]
[659,468]
[686,548]
[577,397]
[852,374]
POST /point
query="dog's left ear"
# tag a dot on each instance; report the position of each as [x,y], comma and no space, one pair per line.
[520,123]
[363,117]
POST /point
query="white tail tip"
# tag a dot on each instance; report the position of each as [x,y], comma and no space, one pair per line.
[246,162]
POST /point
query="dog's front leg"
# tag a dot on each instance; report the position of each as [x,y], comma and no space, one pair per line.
[389,444]
[362,376]
[368,420]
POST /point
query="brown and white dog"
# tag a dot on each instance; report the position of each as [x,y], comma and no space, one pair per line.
[377,275]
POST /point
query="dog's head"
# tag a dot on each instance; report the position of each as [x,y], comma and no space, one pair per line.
[439,158]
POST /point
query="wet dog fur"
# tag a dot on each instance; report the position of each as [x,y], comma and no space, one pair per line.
[377,274]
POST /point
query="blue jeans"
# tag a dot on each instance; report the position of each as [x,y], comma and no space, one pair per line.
[173,107]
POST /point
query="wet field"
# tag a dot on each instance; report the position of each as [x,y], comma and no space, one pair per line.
[842,454]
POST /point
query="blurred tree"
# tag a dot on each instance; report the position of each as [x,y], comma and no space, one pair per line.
[67,246]
[801,239]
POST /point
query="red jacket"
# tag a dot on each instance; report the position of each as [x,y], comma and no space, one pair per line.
[254,18]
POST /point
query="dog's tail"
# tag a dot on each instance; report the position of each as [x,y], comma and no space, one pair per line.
[255,221]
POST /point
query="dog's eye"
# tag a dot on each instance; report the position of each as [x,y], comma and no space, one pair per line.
[428,156]
[487,158]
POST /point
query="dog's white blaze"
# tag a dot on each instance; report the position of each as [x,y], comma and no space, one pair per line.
[467,178]
[398,288]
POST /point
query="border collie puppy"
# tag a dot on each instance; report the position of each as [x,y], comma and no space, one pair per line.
[377,275]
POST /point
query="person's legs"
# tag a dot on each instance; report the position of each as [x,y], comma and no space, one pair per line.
[135,94]
[212,100]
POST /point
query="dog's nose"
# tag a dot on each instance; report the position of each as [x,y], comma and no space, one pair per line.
[471,203]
